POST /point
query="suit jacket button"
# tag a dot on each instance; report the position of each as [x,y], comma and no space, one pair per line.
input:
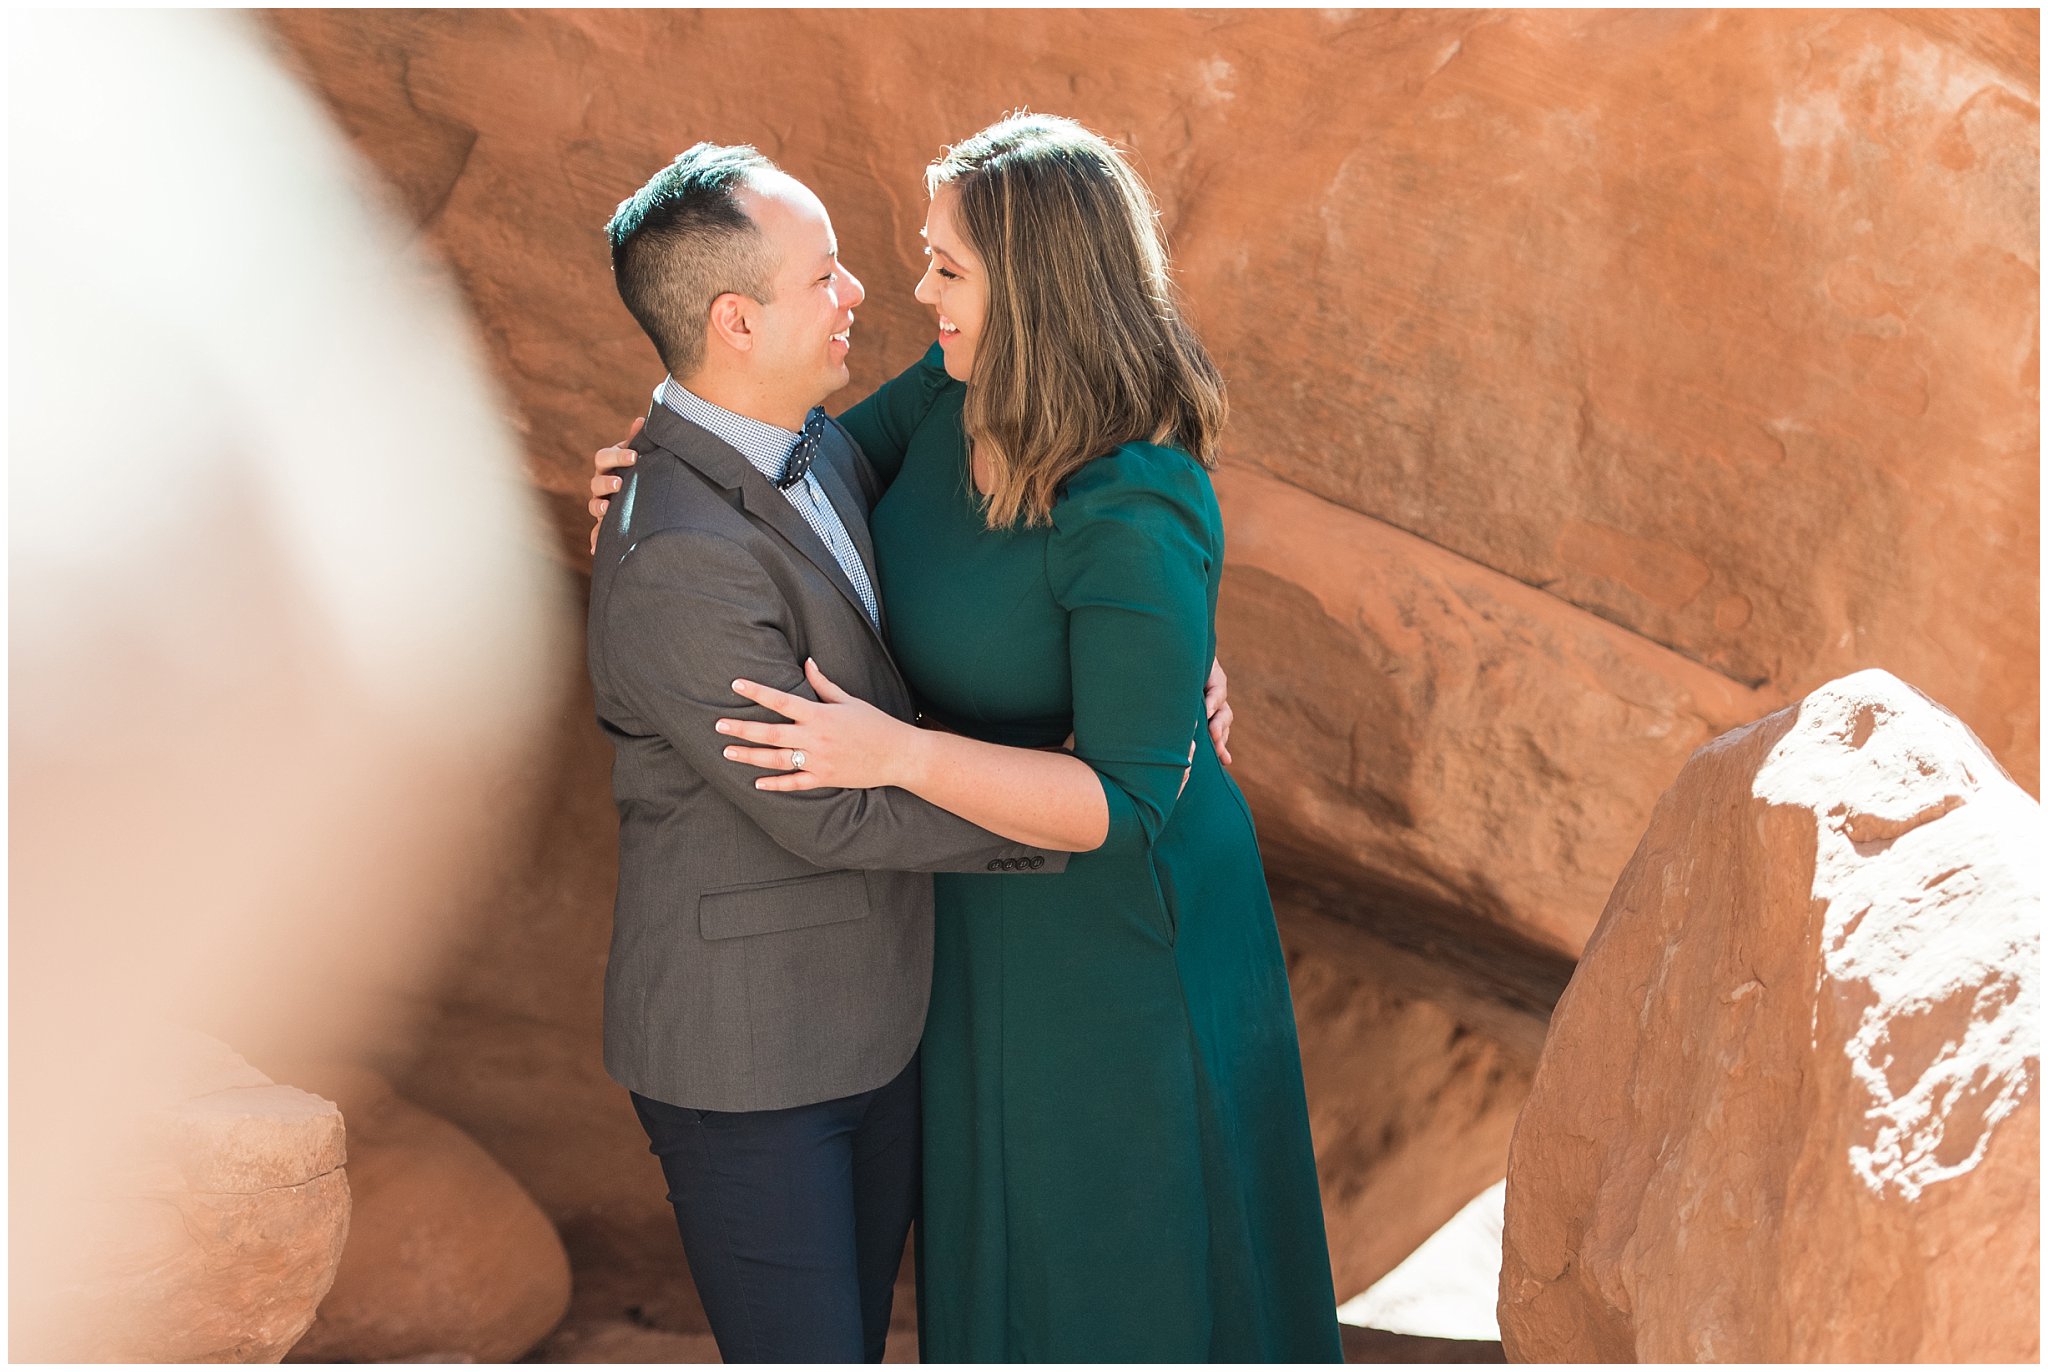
[995,864]
[1036,863]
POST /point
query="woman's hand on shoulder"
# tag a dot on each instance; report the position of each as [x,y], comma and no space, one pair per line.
[604,485]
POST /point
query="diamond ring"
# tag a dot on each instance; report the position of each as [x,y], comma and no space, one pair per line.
[796,759]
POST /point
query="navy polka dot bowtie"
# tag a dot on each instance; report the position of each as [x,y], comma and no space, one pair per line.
[804,451]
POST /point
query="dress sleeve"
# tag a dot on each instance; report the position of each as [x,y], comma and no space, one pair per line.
[883,423]
[1130,559]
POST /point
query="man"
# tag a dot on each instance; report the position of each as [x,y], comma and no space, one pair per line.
[771,952]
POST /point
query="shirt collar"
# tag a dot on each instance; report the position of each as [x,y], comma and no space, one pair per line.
[765,446]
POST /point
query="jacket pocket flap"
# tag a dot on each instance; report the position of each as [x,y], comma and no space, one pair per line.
[775,906]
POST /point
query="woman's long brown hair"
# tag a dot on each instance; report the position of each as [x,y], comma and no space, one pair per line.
[1083,347]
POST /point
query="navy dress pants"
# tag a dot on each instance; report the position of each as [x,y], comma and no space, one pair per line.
[794,1220]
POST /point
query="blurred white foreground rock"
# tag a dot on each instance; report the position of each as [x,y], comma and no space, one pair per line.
[1789,1106]
[278,633]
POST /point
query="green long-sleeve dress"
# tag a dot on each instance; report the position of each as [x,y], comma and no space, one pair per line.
[1117,1164]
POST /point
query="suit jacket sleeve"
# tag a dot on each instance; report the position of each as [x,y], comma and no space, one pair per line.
[691,611]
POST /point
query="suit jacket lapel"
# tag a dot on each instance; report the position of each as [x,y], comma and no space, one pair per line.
[723,463]
[853,511]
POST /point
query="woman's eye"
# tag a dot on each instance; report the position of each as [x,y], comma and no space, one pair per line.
[950,276]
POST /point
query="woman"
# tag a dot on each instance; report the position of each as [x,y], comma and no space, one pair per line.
[1117,1154]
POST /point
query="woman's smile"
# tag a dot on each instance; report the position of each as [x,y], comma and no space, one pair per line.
[952,285]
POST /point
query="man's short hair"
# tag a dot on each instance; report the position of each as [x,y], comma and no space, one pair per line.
[682,240]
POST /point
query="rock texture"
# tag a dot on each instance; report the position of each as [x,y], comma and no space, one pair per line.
[447,1254]
[1411,1108]
[1789,1110]
[1447,749]
[213,1231]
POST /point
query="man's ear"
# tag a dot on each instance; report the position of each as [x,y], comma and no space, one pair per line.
[732,322]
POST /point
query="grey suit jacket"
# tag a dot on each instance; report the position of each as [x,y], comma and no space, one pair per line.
[769,949]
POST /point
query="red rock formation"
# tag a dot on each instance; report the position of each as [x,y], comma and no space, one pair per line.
[1636,371]
[447,1254]
[1789,1108]
[1475,749]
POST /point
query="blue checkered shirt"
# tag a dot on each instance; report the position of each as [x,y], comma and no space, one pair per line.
[767,448]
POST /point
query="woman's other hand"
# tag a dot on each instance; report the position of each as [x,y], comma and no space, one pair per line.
[604,483]
[1215,696]
[845,741]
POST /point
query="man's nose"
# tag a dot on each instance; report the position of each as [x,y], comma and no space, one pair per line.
[855,291]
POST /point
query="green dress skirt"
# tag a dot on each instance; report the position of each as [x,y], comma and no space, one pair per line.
[1117,1163]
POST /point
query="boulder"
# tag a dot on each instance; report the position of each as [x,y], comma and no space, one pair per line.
[1789,1107]
[207,1233]
[448,1256]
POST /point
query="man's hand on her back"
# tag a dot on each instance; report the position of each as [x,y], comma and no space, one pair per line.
[1215,696]
[608,460]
